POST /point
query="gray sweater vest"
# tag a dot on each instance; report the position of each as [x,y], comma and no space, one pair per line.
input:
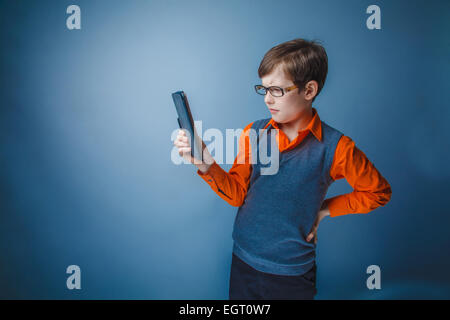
[279,210]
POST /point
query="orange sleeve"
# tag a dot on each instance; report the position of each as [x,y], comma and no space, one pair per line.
[370,189]
[232,186]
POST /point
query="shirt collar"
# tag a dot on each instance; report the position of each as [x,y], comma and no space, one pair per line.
[315,125]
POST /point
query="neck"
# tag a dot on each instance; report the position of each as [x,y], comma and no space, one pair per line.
[300,123]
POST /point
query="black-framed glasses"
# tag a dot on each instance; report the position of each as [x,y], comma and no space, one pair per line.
[274,90]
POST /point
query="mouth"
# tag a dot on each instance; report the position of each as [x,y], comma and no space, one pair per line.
[273,110]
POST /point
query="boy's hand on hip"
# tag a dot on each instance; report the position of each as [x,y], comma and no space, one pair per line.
[323,212]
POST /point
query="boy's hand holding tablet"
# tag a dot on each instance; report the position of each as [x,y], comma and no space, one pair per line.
[184,150]
[199,154]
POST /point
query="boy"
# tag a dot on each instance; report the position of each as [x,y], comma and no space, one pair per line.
[275,230]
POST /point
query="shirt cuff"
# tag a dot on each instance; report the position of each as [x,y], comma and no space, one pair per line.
[208,176]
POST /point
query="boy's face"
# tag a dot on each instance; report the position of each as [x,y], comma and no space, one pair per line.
[291,105]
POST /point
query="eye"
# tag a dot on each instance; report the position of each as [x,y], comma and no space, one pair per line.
[276,91]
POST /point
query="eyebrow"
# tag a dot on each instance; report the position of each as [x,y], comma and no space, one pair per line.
[272,85]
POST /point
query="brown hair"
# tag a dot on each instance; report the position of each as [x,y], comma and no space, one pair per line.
[303,60]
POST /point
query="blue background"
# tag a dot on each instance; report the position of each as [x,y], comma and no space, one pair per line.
[86,119]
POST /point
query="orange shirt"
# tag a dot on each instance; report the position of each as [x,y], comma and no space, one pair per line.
[370,189]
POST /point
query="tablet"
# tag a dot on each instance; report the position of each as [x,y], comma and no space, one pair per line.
[185,121]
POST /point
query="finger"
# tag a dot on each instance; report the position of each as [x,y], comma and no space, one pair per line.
[312,234]
[181,144]
[184,151]
[313,229]
[185,139]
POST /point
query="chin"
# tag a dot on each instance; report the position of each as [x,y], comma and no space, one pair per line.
[278,119]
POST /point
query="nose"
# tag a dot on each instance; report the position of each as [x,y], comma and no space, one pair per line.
[268,99]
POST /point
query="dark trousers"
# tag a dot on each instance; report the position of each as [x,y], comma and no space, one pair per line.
[246,283]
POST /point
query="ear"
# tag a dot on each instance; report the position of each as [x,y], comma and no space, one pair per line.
[310,90]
